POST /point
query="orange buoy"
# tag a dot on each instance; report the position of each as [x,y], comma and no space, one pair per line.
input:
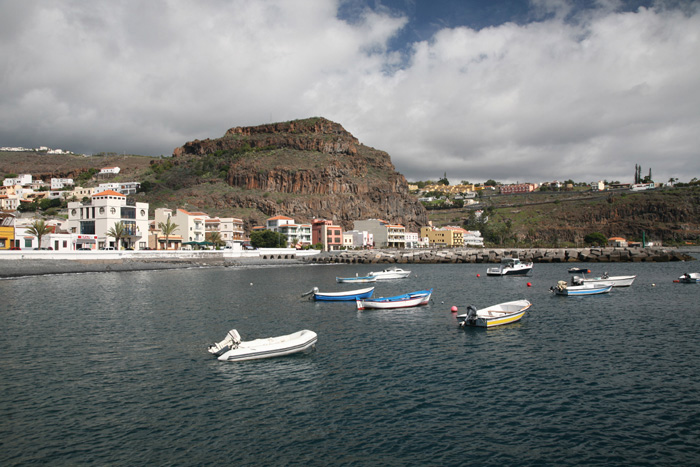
[478,275]
[529,284]
[453,309]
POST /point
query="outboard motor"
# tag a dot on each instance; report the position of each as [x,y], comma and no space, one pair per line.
[310,292]
[231,341]
[471,316]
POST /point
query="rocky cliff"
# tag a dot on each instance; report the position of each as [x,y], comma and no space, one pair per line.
[302,169]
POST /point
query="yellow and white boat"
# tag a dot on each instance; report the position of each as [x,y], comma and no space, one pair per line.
[495,315]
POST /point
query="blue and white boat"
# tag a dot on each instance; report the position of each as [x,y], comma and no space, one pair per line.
[347,296]
[408,300]
[579,290]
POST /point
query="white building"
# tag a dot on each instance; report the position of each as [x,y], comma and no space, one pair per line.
[59,183]
[110,170]
[230,229]
[385,235]
[274,223]
[125,188]
[191,226]
[298,235]
[473,238]
[360,238]
[93,219]
[23,180]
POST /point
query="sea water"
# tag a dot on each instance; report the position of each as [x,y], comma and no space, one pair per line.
[113,369]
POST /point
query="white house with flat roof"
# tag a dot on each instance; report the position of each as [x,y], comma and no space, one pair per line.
[93,219]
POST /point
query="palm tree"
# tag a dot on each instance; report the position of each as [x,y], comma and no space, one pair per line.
[38,228]
[167,228]
[118,231]
[215,238]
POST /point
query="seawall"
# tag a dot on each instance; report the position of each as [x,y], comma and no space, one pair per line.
[484,255]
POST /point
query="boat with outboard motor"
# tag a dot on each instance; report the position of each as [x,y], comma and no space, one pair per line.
[605,279]
[495,315]
[562,288]
[510,267]
[349,295]
[690,278]
[234,349]
[408,300]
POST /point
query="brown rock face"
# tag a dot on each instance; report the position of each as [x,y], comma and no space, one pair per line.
[305,169]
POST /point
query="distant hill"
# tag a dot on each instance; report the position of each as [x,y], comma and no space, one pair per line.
[302,169]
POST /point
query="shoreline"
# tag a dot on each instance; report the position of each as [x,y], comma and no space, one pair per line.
[41,267]
[37,267]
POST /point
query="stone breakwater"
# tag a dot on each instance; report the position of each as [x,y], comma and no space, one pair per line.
[483,255]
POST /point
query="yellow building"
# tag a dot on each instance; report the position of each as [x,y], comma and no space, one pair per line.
[7,231]
[446,236]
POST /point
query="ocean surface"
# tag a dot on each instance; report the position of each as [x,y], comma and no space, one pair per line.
[113,369]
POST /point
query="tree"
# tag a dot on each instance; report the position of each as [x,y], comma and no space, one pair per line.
[38,228]
[167,227]
[444,181]
[490,182]
[595,238]
[118,231]
[215,238]
[268,239]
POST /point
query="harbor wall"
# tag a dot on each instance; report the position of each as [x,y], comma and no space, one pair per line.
[483,255]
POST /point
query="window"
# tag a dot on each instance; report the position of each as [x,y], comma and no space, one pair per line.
[87,227]
[28,243]
[2,242]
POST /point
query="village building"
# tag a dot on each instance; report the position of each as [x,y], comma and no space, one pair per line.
[92,220]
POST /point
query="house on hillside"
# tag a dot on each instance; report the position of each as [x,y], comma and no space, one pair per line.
[617,242]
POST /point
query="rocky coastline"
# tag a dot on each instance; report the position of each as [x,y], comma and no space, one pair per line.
[483,255]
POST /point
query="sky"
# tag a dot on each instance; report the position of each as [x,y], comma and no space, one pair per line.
[511,90]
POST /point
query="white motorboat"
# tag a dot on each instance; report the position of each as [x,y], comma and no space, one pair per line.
[604,280]
[390,273]
[233,349]
[495,315]
[510,267]
[690,278]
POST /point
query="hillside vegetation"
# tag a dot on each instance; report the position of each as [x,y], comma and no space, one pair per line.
[669,215]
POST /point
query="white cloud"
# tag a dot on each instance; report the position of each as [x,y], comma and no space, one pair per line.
[556,99]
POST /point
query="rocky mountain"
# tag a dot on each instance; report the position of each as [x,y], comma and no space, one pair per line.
[302,169]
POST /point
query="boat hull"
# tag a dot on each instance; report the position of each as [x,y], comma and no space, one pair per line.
[508,272]
[356,280]
[615,281]
[348,296]
[400,301]
[271,347]
[577,290]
